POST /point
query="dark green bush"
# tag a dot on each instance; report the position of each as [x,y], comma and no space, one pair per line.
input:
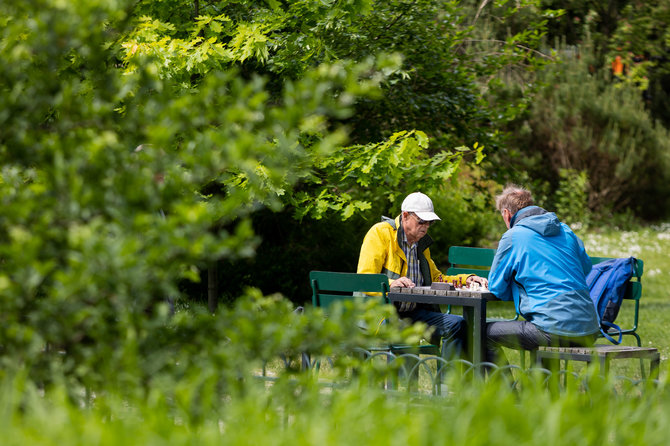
[588,122]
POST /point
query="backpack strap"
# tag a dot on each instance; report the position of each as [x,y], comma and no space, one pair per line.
[606,335]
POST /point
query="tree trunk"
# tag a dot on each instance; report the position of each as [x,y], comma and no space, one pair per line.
[212,286]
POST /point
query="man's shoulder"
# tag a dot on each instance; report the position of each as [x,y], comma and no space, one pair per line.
[516,240]
[386,223]
[505,245]
[392,222]
[386,226]
[519,232]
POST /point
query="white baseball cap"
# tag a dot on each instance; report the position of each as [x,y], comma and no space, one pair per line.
[421,205]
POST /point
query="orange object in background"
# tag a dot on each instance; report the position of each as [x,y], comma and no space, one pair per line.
[617,66]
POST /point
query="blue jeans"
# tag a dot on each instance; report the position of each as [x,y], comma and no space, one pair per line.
[448,327]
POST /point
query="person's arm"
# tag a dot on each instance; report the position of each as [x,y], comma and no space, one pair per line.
[372,259]
[373,253]
[502,268]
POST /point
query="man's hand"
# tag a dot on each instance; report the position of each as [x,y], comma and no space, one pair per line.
[476,279]
[404,282]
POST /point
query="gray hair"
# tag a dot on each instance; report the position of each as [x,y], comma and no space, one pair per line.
[513,198]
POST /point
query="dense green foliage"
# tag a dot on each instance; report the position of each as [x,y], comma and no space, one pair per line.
[103,175]
[431,94]
[578,115]
[144,142]
[635,31]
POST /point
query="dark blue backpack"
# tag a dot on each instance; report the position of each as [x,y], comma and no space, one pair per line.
[607,285]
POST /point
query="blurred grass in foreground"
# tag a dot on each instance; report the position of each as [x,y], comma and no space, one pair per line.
[300,412]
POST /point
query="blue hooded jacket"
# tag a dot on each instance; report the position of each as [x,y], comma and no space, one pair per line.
[542,265]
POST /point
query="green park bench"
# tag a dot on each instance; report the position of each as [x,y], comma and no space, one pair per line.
[467,260]
[329,287]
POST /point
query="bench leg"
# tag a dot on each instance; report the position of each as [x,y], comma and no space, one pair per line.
[604,365]
[405,372]
[653,367]
[551,364]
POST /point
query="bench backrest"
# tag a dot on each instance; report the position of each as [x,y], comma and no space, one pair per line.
[329,287]
[466,260]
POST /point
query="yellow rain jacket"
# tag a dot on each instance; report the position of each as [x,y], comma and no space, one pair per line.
[381,252]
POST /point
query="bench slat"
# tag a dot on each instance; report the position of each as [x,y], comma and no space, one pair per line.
[604,353]
[462,255]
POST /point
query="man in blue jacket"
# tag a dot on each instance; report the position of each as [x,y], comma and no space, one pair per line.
[541,265]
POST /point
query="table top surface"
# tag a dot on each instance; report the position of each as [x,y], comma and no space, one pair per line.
[450,292]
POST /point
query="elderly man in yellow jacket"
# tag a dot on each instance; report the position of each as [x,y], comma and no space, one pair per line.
[399,249]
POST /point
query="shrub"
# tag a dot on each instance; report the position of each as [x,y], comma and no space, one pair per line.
[572,197]
[587,122]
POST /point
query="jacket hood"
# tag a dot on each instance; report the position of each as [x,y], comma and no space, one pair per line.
[533,217]
[396,224]
[390,221]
